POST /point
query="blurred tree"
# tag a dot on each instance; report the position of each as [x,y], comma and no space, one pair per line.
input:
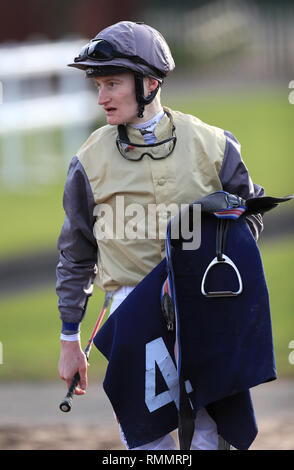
[55,19]
[191,4]
[183,5]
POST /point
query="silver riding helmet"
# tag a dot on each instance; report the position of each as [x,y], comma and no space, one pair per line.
[128,46]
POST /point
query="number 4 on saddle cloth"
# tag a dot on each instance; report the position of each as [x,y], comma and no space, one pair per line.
[196,332]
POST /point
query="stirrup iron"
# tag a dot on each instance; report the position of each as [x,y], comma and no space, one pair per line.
[226,293]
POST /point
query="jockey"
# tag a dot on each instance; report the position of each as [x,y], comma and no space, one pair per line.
[147,156]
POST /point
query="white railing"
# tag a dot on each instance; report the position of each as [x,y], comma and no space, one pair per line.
[42,98]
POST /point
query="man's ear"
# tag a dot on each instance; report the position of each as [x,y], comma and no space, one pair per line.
[152,83]
[149,85]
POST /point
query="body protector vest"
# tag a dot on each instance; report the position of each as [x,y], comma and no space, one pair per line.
[196,332]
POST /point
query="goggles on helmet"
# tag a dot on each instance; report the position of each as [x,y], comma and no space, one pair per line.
[101,50]
[135,152]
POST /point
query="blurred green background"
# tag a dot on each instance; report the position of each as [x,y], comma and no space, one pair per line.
[225,82]
[29,321]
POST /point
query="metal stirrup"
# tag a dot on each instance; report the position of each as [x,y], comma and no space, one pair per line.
[221,236]
[226,293]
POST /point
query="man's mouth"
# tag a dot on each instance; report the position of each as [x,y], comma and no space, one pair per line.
[109,110]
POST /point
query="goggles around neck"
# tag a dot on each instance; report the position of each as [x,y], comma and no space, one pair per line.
[135,152]
[101,50]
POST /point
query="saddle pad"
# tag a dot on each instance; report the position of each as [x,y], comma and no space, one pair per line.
[226,343]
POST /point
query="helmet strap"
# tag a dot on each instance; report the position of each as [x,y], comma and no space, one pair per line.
[139,89]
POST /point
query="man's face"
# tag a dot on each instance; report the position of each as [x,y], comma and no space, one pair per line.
[117,97]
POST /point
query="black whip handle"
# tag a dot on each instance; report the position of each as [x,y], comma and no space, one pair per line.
[65,405]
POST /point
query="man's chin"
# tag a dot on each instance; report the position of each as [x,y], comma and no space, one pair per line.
[112,121]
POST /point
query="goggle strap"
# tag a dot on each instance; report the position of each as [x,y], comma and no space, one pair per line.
[124,139]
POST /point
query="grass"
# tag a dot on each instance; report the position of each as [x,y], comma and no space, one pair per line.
[30,323]
[278,260]
[30,329]
[262,121]
[31,220]
[32,217]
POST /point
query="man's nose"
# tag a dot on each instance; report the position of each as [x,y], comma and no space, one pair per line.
[103,96]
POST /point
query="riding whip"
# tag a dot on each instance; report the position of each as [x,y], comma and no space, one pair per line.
[66,404]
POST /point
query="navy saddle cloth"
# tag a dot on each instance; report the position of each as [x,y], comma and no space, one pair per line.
[226,344]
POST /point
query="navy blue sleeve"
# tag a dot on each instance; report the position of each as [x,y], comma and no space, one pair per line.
[235,179]
[78,248]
